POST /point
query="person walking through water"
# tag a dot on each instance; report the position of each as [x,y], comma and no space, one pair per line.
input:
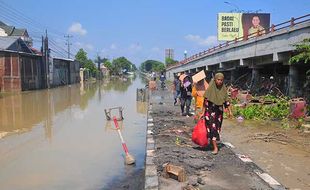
[186,96]
[216,98]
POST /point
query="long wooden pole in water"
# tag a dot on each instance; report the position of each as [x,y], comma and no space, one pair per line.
[129,159]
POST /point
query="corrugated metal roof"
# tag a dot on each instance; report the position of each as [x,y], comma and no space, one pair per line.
[2,23]
[13,43]
[8,29]
[12,31]
[64,59]
[18,32]
[7,42]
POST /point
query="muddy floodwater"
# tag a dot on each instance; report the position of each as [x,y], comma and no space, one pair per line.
[60,139]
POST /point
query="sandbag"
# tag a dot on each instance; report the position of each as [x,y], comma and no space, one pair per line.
[199,135]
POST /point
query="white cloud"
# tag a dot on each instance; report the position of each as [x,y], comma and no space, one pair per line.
[77,28]
[89,47]
[79,44]
[113,46]
[135,47]
[209,41]
[155,49]
[103,51]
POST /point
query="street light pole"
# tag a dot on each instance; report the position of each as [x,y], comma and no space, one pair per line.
[185,54]
[234,5]
[238,10]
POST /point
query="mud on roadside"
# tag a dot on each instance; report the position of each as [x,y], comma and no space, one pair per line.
[283,153]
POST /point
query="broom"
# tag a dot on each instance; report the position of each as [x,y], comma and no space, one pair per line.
[129,159]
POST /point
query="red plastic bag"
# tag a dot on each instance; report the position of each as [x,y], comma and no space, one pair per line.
[199,135]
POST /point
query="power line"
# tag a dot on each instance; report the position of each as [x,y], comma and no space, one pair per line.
[35,28]
[26,18]
[16,19]
[60,54]
[57,48]
[60,47]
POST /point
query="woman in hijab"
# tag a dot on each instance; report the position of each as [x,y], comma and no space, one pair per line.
[216,98]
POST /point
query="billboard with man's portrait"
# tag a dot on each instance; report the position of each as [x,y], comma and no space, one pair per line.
[236,25]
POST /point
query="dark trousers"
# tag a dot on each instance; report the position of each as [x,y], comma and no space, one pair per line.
[185,102]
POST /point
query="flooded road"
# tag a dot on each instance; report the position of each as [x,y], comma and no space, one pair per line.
[60,139]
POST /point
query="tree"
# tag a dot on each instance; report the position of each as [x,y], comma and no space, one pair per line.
[147,65]
[99,60]
[121,64]
[152,65]
[81,56]
[108,64]
[134,68]
[170,61]
[159,67]
[303,56]
[302,53]
[91,66]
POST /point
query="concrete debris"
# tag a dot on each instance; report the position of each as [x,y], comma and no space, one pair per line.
[175,172]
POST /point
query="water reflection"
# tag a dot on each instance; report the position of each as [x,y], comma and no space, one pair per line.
[65,141]
[19,113]
[109,125]
[141,107]
[117,84]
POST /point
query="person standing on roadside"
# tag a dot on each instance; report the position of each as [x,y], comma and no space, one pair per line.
[216,98]
[162,79]
[186,96]
[198,91]
[177,88]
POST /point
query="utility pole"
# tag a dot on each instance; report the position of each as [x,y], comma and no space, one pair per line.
[68,43]
[98,61]
[45,56]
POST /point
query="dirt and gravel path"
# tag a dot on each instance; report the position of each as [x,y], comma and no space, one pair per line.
[172,134]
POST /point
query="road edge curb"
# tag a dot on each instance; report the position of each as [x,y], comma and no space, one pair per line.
[151,177]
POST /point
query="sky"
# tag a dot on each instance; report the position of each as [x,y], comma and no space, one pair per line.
[136,29]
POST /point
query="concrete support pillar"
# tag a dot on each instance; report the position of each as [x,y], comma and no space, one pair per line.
[220,65]
[193,71]
[255,77]
[293,78]
[241,63]
[233,75]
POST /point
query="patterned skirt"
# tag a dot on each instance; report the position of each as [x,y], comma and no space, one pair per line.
[214,118]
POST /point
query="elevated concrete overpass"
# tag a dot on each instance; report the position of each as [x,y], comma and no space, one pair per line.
[267,54]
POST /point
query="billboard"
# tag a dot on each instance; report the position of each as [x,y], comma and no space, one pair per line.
[235,25]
